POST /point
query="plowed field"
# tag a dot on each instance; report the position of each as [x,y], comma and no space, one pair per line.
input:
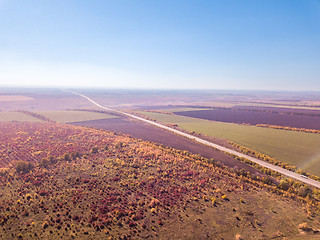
[256,117]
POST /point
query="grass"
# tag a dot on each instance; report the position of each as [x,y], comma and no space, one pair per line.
[74,116]
[178,109]
[17,116]
[296,148]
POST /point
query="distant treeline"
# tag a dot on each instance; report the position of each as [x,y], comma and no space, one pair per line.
[36,115]
[97,111]
[289,128]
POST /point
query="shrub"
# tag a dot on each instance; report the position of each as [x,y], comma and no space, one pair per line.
[94,150]
[4,171]
[304,191]
[224,197]
[132,224]
[43,193]
[44,163]
[284,185]
[28,196]
[45,224]
[23,167]
[119,145]
[67,157]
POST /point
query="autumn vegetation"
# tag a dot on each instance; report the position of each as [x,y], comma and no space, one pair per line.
[289,128]
[66,182]
[36,115]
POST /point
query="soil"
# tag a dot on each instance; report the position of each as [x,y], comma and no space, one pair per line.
[254,117]
[294,111]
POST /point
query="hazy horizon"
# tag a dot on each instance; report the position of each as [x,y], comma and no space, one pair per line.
[180,45]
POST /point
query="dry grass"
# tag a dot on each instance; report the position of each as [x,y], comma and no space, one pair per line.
[17,116]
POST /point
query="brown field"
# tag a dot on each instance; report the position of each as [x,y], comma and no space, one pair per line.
[309,120]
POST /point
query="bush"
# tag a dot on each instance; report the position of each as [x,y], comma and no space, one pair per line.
[45,224]
[94,150]
[284,185]
[119,145]
[23,167]
[304,191]
[44,162]
[67,157]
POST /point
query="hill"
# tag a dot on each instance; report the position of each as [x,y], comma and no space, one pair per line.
[67,182]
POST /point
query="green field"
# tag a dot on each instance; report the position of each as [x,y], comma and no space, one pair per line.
[296,148]
[179,109]
[74,116]
[17,116]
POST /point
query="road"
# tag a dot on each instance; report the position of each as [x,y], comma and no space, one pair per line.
[221,148]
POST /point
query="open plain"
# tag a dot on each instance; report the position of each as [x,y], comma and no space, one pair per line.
[155,183]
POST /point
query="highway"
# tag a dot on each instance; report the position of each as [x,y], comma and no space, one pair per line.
[221,148]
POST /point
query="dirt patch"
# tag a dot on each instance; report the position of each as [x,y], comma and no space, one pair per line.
[149,133]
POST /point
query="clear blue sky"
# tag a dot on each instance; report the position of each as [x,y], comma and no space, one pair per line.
[167,44]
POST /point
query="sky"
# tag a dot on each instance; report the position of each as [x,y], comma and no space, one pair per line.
[161,44]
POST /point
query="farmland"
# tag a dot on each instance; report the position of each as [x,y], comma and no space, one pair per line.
[171,109]
[56,116]
[296,148]
[79,181]
[10,98]
[40,100]
[149,133]
[254,117]
[74,116]
[17,116]
[115,186]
